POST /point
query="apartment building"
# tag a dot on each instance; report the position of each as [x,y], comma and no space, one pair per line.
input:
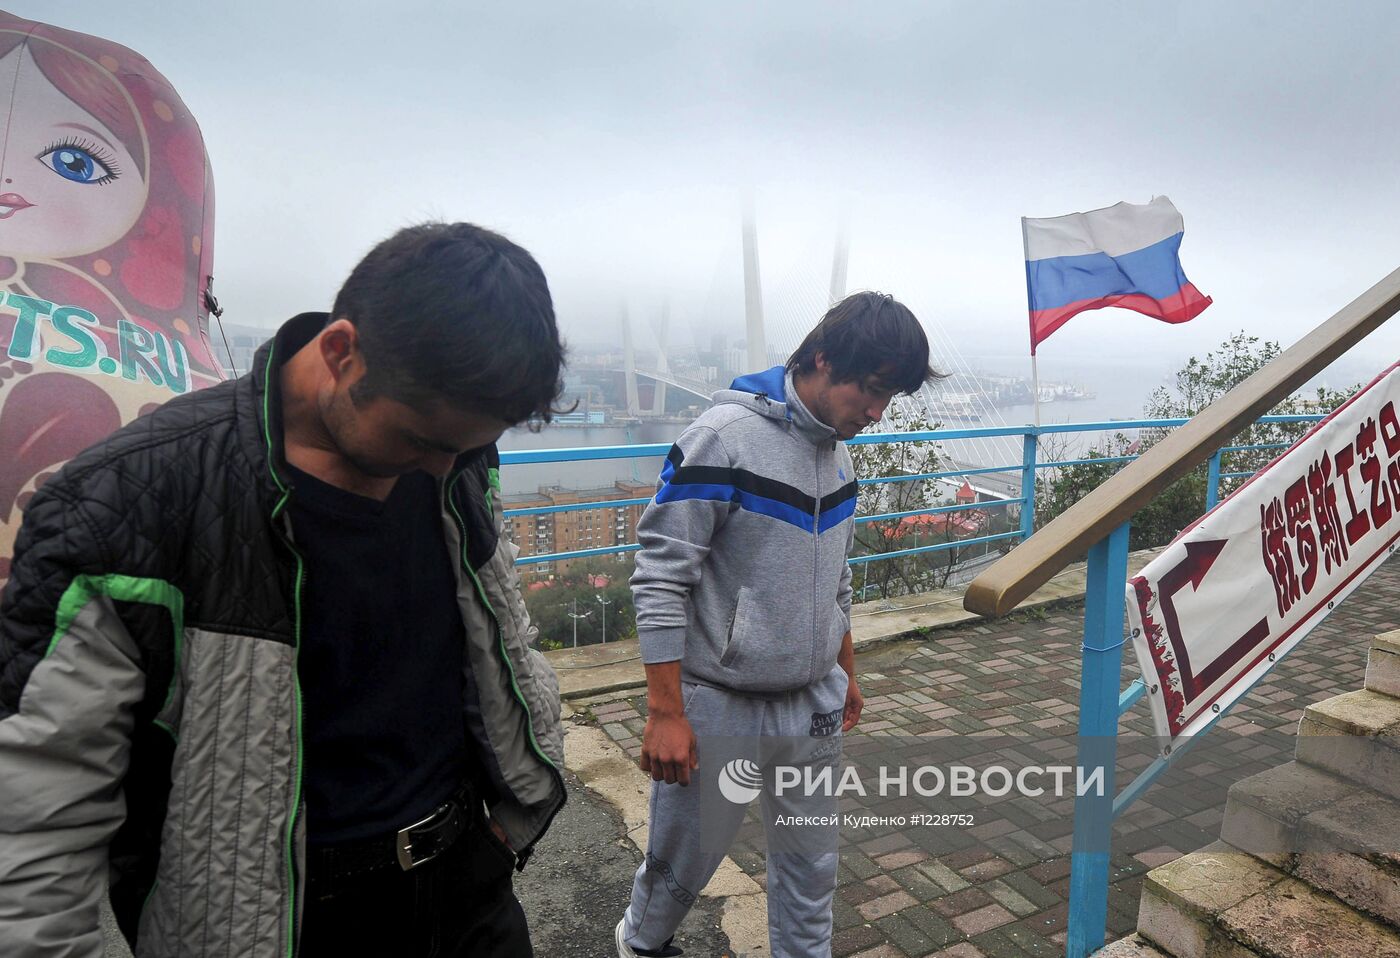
[550,533]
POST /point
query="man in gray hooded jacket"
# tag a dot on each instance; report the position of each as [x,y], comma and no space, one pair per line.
[743,599]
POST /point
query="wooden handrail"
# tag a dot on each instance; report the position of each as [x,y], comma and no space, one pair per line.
[1030,565]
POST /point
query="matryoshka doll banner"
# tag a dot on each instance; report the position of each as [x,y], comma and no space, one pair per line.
[106,229]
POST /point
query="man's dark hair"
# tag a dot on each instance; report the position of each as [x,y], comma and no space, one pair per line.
[865,335]
[451,312]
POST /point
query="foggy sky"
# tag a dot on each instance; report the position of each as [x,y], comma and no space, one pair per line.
[616,141]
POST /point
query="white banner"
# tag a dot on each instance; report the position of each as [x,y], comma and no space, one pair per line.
[1243,585]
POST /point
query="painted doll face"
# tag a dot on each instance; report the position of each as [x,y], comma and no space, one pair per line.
[68,185]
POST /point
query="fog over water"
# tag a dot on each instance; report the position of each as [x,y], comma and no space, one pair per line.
[1121,390]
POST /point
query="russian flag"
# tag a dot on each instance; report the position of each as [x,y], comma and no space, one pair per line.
[1125,255]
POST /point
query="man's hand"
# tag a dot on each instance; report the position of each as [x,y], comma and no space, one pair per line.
[668,749]
[855,702]
[500,833]
[846,658]
[668,743]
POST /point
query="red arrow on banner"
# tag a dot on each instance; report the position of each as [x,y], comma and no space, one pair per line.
[1200,556]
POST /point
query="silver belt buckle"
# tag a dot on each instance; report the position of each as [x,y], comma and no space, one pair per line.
[403,842]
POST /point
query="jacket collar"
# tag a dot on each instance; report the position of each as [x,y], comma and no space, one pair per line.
[267,447]
[807,423]
[772,395]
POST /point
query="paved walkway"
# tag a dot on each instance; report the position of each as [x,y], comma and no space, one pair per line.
[999,889]
[575,887]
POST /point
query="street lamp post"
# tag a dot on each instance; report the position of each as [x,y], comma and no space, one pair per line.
[604,603]
[575,616]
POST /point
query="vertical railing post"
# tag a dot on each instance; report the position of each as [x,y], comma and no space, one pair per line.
[1213,482]
[1102,656]
[1028,448]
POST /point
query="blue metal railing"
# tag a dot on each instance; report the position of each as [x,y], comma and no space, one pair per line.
[1024,500]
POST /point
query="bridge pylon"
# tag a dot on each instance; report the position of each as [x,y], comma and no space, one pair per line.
[629,367]
[753,293]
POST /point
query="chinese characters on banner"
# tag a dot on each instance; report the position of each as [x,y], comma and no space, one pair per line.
[1243,585]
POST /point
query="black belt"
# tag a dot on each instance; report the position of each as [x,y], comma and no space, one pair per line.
[410,846]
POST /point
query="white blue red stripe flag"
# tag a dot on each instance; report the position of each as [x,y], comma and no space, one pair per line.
[1125,255]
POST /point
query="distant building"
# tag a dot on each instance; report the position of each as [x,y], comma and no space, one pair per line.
[242,342]
[582,417]
[554,532]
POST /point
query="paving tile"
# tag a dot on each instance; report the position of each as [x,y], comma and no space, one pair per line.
[969,857]
[960,903]
[858,893]
[998,943]
[896,860]
[983,919]
[885,905]
[934,926]
[917,884]
[1049,871]
[1011,899]
[990,868]
[852,940]
[883,884]
[844,914]
[1029,943]
[909,938]
[858,865]
[960,950]
[1030,889]
[881,951]
[948,879]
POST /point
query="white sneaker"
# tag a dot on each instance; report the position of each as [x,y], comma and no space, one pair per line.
[625,950]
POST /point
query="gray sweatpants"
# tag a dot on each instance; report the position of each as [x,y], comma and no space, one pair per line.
[739,739]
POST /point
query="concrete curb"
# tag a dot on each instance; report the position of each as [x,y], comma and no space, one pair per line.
[611,774]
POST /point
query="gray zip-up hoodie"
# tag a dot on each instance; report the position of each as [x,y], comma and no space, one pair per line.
[742,574]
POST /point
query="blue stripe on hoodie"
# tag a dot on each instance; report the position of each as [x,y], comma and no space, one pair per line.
[675,488]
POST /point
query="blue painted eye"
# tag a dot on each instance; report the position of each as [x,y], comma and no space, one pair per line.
[78,164]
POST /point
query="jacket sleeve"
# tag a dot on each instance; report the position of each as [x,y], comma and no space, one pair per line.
[70,679]
[693,499]
[542,688]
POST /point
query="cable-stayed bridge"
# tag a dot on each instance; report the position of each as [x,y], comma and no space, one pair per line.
[776,325]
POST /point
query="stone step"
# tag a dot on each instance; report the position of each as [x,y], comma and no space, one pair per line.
[1263,811]
[1134,946]
[1383,664]
[1325,830]
[1223,903]
[1355,735]
[1294,920]
[1181,900]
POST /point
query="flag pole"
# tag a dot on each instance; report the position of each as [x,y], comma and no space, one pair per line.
[1035,388]
[1035,371]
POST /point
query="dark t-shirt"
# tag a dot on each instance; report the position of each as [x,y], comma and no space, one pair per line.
[381,658]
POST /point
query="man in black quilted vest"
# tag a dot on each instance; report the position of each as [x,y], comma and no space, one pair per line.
[265,681]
